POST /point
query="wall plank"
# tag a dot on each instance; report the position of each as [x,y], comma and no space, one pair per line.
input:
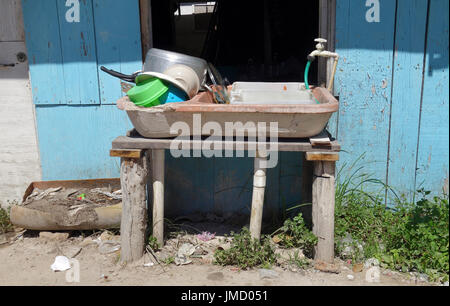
[233,184]
[44,51]
[117,30]
[406,97]
[433,154]
[189,185]
[11,25]
[79,55]
[74,141]
[363,82]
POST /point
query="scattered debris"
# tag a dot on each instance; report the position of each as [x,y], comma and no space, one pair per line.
[421,277]
[108,236]
[149,264]
[326,267]
[59,208]
[265,273]
[104,278]
[88,241]
[108,247]
[116,195]
[61,263]
[71,251]
[373,275]
[276,239]
[350,277]
[182,257]
[39,194]
[371,262]
[348,246]
[357,268]
[286,255]
[53,236]
[206,236]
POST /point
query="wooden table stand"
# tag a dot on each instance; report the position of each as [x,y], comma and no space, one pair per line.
[144,157]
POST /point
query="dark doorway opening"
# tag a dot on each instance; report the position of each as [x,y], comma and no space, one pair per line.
[256,40]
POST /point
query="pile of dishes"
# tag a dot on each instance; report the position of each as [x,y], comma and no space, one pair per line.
[171,77]
[166,77]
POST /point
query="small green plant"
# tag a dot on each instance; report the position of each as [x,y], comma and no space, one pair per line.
[169,260]
[295,234]
[153,243]
[405,236]
[246,252]
[299,261]
[5,222]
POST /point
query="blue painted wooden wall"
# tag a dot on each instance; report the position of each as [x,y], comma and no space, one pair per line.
[393,84]
[392,81]
[77,119]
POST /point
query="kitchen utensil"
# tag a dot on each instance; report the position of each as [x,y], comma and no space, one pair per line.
[186,76]
[219,88]
[139,77]
[148,93]
[149,75]
[158,60]
[126,77]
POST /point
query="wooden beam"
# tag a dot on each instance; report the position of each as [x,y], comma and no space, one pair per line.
[145,16]
[322,156]
[126,153]
[133,179]
[288,145]
[323,194]
[322,139]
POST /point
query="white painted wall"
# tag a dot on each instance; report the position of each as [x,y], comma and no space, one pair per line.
[19,155]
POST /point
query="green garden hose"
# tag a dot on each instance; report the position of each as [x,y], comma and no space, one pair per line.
[306,78]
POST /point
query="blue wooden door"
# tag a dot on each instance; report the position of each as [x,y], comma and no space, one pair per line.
[67,42]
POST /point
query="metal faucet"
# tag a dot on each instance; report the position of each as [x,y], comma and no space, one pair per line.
[320,51]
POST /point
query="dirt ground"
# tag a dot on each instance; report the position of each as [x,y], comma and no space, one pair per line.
[26,260]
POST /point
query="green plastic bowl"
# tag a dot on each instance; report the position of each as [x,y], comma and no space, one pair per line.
[147,93]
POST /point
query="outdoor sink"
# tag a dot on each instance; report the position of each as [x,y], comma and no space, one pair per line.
[294,120]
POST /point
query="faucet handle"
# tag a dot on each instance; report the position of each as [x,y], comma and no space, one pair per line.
[321,43]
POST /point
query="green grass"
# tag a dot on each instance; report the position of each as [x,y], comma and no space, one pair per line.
[405,236]
[5,222]
[295,234]
[246,252]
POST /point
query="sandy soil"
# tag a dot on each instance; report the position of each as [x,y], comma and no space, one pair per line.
[27,261]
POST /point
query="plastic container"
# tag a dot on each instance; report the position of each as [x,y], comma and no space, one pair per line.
[174,94]
[148,92]
[270,93]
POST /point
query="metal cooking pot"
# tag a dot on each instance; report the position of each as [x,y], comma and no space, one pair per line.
[158,60]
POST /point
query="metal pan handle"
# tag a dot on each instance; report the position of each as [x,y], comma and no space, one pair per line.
[126,77]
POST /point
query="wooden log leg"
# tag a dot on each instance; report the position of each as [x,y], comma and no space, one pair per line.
[133,179]
[323,192]
[158,195]
[259,184]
